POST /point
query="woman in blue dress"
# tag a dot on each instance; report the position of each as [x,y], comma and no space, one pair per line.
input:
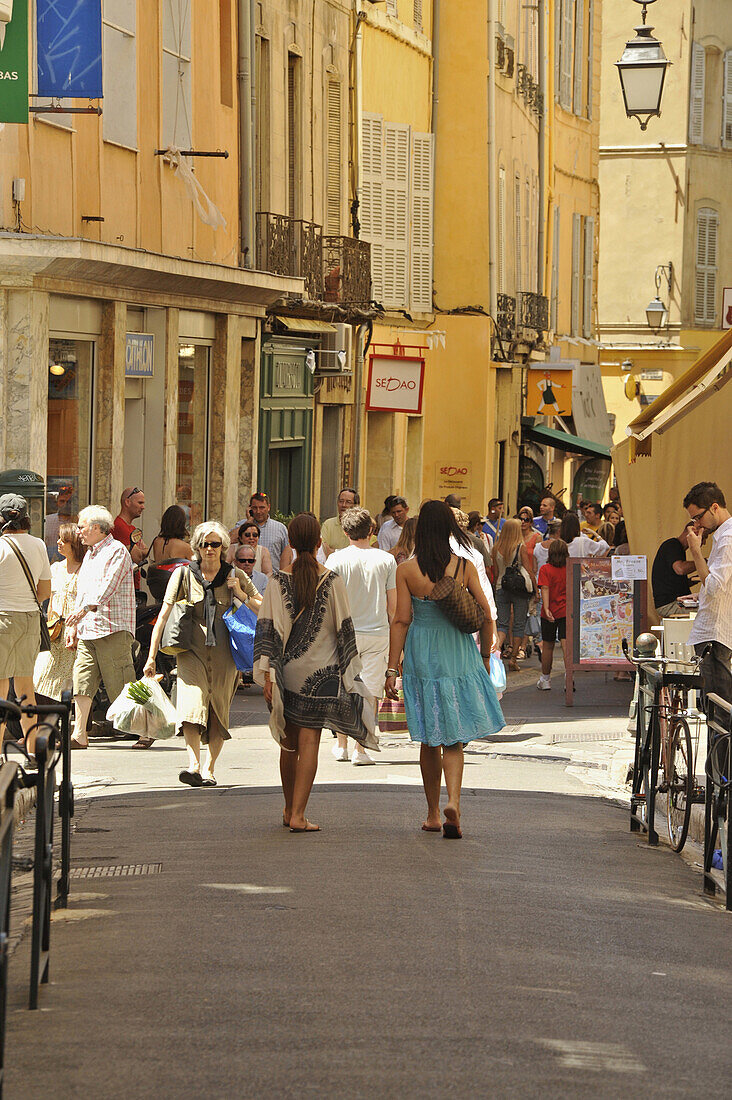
[448,694]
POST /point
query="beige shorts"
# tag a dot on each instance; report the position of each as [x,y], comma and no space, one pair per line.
[106,659]
[373,649]
[20,642]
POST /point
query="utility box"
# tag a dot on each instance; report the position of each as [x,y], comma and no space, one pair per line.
[30,486]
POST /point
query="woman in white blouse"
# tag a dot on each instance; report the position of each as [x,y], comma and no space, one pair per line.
[580,546]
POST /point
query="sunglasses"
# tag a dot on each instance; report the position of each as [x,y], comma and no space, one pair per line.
[210,545]
[246,561]
[133,492]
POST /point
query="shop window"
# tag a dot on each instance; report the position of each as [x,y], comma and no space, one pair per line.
[69,431]
[193,431]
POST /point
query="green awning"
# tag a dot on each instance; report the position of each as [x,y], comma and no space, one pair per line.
[551,437]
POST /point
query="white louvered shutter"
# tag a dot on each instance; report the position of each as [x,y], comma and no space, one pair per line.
[372,198]
[727,102]
[334,159]
[579,55]
[501,242]
[418,25]
[576,272]
[391,7]
[567,41]
[517,237]
[590,50]
[528,250]
[422,222]
[705,297]
[396,215]
[696,95]
[588,277]
[555,271]
[557,47]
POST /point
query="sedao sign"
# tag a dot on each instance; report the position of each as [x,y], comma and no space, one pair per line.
[14,61]
[395,384]
[139,355]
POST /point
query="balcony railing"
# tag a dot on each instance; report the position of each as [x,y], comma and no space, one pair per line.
[335,269]
[506,316]
[533,312]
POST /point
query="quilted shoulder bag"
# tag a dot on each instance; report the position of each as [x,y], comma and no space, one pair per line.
[178,631]
[456,601]
[45,636]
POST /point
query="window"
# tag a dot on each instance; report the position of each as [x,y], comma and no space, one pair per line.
[293,135]
[590,49]
[193,430]
[334,133]
[555,272]
[177,99]
[69,430]
[705,294]
[579,55]
[517,234]
[727,102]
[226,68]
[391,7]
[696,95]
[397,213]
[576,273]
[119,53]
[261,136]
[501,231]
[418,25]
[565,53]
[528,250]
[588,276]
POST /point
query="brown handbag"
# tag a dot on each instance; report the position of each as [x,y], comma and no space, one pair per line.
[457,603]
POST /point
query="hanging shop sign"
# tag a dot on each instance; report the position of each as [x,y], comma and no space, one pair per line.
[69,36]
[589,411]
[14,61]
[455,478]
[139,355]
[727,307]
[549,390]
[395,384]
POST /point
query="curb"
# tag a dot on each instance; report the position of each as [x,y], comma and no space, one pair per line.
[25,800]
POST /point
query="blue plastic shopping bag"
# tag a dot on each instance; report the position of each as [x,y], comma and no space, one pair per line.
[497,672]
[241,625]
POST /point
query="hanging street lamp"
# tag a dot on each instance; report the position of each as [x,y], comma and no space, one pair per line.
[642,70]
[657,310]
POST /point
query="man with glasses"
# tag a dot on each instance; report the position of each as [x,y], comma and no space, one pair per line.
[132,505]
[707,508]
[245,559]
[331,532]
[272,533]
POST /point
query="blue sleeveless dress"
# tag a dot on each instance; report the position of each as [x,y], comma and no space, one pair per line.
[448,694]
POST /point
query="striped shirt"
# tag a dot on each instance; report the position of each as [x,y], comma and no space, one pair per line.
[713,622]
[105,582]
[273,535]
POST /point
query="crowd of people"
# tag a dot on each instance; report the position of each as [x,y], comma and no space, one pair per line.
[347,623]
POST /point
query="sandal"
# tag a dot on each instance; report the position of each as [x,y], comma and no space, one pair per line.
[144,743]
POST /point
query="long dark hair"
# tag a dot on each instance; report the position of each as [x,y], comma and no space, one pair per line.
[435,524]
[304,534]
[570,528]
[173,523]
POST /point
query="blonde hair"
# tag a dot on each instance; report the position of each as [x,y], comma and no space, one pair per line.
[211,526]
[509,540]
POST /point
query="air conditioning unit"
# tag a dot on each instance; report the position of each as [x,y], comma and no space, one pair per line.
[336,351]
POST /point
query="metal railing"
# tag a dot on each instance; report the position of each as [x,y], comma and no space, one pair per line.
[346,271]
[718,801]
[335,269]
[533,311]
[8,782]
[506,316]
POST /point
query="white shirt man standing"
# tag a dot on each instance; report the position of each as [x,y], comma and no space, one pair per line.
[331,532]
[370,579]
[707,507]
[390,532]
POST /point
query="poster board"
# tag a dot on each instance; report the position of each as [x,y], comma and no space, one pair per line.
[601,612]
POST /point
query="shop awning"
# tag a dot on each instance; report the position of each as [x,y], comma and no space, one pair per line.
[303,324]
[563,441]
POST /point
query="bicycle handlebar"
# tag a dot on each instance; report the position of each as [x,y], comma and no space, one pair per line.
[8,709]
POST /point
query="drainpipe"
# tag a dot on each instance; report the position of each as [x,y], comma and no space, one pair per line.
[358,112]
[492,161]
[543,227]
[435,62]
[246,144]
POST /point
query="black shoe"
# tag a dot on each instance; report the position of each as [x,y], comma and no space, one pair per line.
[193,779]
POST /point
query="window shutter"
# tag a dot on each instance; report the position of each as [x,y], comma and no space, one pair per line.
[696,95]
[517,235]
[555,272]
[705,297]
[418,15]
[588,276]
[396,215]
[557,47]
[334,159]
[119,57]
[590,51]
[727,102]
[579,54]
[501,243]
[372,198]
[422,223]
[565,82]
[576,271]
[528,265]
[391,7]
[292,136]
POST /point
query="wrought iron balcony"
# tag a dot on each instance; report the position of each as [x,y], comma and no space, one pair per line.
[347,271]
[288,246]
[533,312]
[506,316]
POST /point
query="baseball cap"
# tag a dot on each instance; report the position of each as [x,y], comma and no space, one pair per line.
[13,507]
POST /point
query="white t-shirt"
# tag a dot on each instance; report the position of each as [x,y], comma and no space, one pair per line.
[15,592]
[585,547]
[368,575]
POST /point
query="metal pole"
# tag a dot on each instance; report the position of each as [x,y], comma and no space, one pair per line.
[246,189]
[541,241]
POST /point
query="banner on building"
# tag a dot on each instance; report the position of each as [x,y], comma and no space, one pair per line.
[69,37]
[589,411]
[395,384]
[14,61]
[549,390]
[139,355]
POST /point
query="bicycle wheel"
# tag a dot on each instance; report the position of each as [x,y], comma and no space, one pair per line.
[680,782]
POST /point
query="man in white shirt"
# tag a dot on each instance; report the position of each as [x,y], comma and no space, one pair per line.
[370,579]
[707,507]
[390,531]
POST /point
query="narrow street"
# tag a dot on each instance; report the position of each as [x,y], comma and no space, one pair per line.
[548,952]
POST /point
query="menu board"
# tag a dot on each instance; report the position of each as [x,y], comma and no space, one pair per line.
[602,611]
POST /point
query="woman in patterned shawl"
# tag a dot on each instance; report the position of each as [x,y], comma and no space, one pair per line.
[306,659]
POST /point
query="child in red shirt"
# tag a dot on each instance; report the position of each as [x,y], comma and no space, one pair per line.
[552,581]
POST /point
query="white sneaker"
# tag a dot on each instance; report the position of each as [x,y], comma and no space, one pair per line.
[361,757]
[544,683]
[339,753]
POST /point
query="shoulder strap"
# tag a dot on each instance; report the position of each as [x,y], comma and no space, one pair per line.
[24,566]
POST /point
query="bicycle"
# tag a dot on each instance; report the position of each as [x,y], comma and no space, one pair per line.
[718,808]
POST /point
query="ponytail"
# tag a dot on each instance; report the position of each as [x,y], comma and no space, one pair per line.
[304,535]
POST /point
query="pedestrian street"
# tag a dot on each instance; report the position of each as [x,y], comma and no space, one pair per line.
[549,953]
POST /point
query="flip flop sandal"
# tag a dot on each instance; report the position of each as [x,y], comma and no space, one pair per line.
[451,831]
[193,779]
[432,828]
[209,781]
[144,743]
